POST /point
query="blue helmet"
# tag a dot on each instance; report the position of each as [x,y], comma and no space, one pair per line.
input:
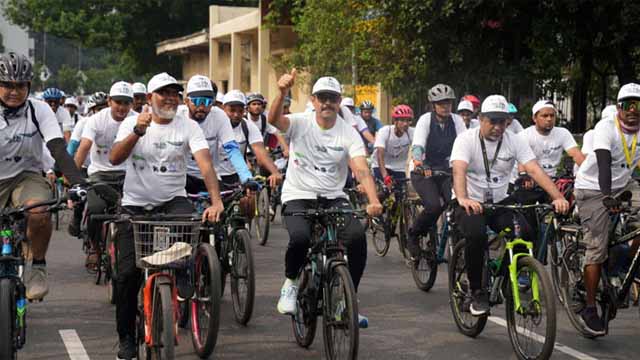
[512,109]
[52,93]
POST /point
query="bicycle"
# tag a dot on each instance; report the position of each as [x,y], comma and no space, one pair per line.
[384,227]
[526,306]
[60,192]
[261,218]
[322,279]
[281,163]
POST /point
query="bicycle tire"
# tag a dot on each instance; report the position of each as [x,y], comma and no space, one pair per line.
[7,319]
[163,325]
[57,220]
[460,295]
[411,212]
[206,286]
[546,308]
[305,321]
[242,256]
[425,267]
[379,237]
[349,313]
[556,266]
[261,218]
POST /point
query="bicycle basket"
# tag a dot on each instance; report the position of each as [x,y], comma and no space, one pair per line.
[160,243]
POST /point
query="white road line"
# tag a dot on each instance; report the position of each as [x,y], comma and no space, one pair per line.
[73,344]
[559,347]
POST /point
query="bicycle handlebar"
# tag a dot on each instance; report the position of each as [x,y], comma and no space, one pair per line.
[315,213]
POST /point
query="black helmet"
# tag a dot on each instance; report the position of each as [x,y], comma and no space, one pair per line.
[251,97]
[99,98]
[366,105]
[14,67]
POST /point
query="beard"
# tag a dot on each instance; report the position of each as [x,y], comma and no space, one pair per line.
[162,113]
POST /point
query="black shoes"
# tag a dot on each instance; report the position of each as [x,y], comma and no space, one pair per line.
[594,323]
[480,304]
[128,349]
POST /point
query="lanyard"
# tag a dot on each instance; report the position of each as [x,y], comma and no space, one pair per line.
[632,156]
[485,158]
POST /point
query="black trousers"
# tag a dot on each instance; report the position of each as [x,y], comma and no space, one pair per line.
[96,204]
[474,230]
[352,235]
[129,276]
[434,191]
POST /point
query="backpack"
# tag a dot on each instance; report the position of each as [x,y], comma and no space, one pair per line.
[245,132]
[33,118]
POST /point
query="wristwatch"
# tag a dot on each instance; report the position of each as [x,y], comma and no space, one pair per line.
[137,131]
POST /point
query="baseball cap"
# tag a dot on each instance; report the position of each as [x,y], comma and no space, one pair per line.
[139,88]
[541,105]
[347,101]
[465,105]
[199,85]
[630,90]
[220,97]
[71,101]
[161,80]
[327,84]
[121,91]
[495,106]
[234,97]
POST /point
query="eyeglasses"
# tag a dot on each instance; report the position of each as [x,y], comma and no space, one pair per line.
[327,97]
[20,86]
[201,100]
[628,105]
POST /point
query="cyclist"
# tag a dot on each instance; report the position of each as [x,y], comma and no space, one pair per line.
[513,124]
[475,102]
[216,126]
[98,101]
[139,96]
[27,124]
[256,113]
[96,141]
[349,103]
[156,144]
[52,96]
[248,137]
[366,113]
[606,172]
[323,148]
[71,105]
[482,160]
[220,100]
[392,146]
[465,110]
[431,148]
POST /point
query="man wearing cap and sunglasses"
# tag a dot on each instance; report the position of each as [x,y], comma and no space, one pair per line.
[156,145]
[322,149]
[482,160]
[605,174]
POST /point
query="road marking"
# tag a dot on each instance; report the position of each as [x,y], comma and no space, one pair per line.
[73,344]
[559,347]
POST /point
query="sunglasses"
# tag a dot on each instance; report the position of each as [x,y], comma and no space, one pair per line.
[497,121]
[201,100]
[628,105]
[327,97]
[21,86]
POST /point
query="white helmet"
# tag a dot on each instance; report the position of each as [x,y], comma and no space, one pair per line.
[441,92]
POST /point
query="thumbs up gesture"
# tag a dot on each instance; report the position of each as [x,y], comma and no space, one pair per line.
[286,81]
[144,119]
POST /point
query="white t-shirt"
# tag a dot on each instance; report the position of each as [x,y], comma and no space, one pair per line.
[474,123]
[587,142]
[217,131]
[157,167]
[356,121]
[102,129]
[269,129]
[318,162]
[76,135]
[467,148]
[64,119]
[396,149]
[515,127]
[548,148]
[22,145]
[607,137]
[223,165]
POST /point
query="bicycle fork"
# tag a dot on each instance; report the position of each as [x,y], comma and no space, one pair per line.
[150,285]
[513,273]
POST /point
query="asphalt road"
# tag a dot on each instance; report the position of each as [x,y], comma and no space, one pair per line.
[405,323]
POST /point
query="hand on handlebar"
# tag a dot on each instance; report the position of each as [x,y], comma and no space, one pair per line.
[275,180]
[525,181]
[374,209]
[472,207]
[213,212]
[561,206]
[388,181]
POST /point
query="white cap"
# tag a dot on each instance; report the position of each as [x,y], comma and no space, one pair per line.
[541,105]
[161,80]
[465,105]
[608,112]
[220,97]
[630,90]
[139,88]
[71,101]
[199,85]
[495,106]
[121,90]
[234,97]
[327,84]
[347,101]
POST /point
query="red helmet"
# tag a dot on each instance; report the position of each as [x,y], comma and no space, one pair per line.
[402,112]
[473,99]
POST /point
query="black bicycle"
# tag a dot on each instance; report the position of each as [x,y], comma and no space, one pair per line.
[326,288]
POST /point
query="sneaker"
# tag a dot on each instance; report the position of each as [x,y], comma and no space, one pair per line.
[127,349]
[288,297]
[593,322]
[37,287]
[363,321]
[74,229]
[412,246]
[480,304]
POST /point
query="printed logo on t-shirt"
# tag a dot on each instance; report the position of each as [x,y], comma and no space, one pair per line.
[160,145]
[176,143]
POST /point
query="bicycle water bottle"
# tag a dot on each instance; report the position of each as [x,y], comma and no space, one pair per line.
[6,242]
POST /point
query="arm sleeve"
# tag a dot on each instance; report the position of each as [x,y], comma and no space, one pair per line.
[72,147]
[64,161]
[237,160]
[603,157]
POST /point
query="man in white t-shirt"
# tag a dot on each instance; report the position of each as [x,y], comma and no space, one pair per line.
[513,124]
[482,160]
[605,174]
[52,96]
[156,145]
[465,110]
[97,138]
[392,147]
[139,96]
[71,105]
[255,112]
[322,147]
[25,126]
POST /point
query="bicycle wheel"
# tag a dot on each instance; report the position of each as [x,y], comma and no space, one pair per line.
[112,265]
[379,236]
[340,318]
[536,317]
[460,294]
[425,268]
[555,263]
[163,325]
[7,319]
[205,305]
[412,209]
[242,277]
[304,321]
[261,218]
